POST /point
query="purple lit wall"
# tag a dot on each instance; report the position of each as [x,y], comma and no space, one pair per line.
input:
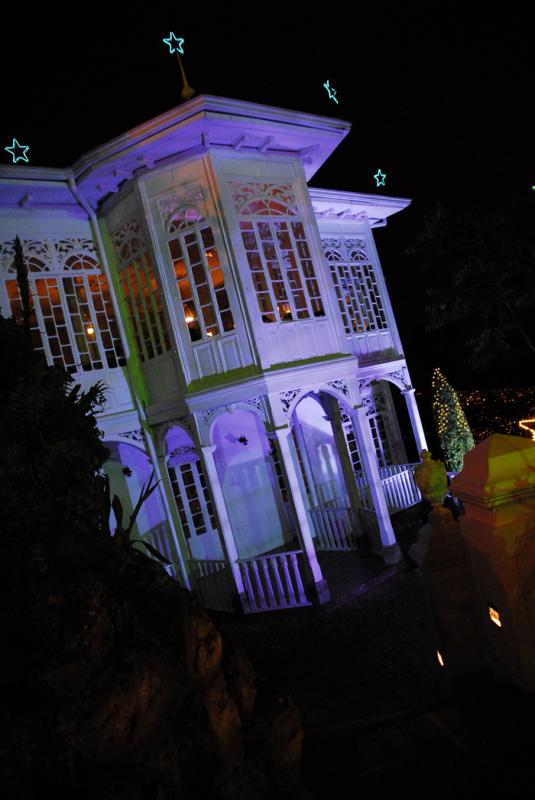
[246,473]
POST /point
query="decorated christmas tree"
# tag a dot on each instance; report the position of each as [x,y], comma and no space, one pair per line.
[453,431]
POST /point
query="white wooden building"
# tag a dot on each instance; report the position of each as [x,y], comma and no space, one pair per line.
[242,325]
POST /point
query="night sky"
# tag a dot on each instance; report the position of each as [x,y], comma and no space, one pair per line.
[441,103]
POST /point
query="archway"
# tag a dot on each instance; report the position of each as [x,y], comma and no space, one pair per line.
[246,463]
[129,469]
[317,451]
[192,497]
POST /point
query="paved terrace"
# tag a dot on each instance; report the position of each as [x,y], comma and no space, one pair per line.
[378,715]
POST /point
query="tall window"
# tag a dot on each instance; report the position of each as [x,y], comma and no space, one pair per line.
[145,308]
[200,280]
[277,252]
[192,498]
[73,322]
[380,437]
[141,291]
[355,283]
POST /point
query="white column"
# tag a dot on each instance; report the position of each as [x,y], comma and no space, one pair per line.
[416,422]
[303,531]
[306,462]
[391,552]
[344,459]
[168,501]
[229,545]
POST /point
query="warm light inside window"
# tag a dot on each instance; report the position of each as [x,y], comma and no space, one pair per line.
[495,617]
[90,331]
[439,658]
[189,315]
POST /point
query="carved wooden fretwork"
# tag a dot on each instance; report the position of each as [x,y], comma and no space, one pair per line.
[182,452]
[263,199]
[136,435]
[255,402]
[51,255]
[184,207]
[287,399]
[208,413]
[340,385]
[129,240]
[400,376]
[344,249]
[366,400]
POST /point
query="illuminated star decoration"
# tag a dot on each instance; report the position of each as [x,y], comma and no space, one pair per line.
[174,48]
[380,177]
[528,427]
[331,92]
[21,149]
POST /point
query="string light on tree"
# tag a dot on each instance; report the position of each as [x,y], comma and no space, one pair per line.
[453,431]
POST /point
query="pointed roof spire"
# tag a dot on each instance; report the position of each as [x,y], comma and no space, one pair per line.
[187,91]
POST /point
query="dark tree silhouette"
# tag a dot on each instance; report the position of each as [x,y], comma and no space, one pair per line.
[483,270]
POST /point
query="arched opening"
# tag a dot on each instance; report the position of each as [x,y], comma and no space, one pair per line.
[129,469]
[253,489]
[391,426]
[317,453]
[192,496]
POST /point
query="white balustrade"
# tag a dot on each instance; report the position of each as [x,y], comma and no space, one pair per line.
[399,487]
[334,527]
[274,581]
[213,583]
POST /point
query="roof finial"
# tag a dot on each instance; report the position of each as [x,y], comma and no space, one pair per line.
[176,45]
[187,91]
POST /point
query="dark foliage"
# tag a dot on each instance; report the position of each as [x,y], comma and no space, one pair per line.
[51,449]
[481,275]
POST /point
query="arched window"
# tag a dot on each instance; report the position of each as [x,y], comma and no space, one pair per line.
[199,276]
[141,291]
[73,321]
[355,283]
[277,252]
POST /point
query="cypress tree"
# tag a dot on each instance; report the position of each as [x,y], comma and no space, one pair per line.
[452,428]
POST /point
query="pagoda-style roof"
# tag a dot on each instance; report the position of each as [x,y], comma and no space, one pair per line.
[208,122]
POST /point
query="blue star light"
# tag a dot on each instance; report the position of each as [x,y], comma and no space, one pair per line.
[380,177]
[21,149]
[331,92]
[174,48]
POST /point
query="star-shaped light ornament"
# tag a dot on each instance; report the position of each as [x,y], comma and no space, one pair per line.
[380,177]
[18,152]
[528,425]
[331,92]
[175,46]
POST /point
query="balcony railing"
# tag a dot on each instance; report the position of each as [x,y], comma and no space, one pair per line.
[335,528]
[212,582]
[275,581]
[398,484]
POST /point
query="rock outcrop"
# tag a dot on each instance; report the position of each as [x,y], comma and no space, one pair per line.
[119,686]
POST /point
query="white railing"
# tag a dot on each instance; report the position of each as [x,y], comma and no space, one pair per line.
[399,487]
[274,581]
[335,528]
[213,584]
